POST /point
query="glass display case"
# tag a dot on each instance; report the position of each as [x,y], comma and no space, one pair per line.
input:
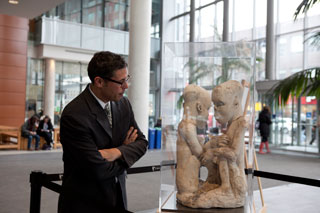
[206,65]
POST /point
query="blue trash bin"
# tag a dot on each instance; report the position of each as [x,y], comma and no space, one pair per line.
[152,138]
[158,138]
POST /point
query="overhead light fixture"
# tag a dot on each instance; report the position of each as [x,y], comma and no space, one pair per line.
[13,1]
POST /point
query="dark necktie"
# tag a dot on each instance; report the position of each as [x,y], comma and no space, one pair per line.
[107,108]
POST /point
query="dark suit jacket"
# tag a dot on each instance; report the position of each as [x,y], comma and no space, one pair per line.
[89,181]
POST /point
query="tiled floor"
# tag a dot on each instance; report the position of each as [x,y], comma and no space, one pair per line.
[143,189]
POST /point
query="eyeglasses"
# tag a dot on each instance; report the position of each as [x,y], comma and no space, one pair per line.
[118,82]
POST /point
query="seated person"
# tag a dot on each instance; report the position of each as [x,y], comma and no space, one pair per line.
[45,130]
[28,130]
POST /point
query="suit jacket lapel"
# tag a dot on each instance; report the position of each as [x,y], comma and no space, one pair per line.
[96,109]
[103,121]
[115,114]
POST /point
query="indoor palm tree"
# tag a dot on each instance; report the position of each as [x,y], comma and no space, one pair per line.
[304,6]
[303,83]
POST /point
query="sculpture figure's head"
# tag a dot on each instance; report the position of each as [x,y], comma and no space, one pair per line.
[226,98]
[196,104]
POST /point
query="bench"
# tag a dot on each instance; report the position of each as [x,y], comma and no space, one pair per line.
[56,140]
[10,137]
[24,143]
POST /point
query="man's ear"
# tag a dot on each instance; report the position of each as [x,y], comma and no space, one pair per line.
[199,107]
[98,82]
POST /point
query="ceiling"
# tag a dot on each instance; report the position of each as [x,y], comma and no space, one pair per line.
[28,8]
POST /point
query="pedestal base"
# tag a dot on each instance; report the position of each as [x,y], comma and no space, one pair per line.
[171,205]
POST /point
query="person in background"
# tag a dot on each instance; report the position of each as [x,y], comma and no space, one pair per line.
[40,113]
[158,124]
[45,130]
[100,140]
[29,130]
[56,118]
[264,127]
[314,130]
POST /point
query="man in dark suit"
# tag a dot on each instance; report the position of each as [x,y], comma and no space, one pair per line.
[99,144]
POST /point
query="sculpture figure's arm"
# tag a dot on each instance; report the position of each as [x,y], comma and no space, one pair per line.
[212,143]
[189,132]
[232,151]
[208,150]
[224,149]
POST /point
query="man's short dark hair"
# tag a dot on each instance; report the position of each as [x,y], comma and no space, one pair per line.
[104,64]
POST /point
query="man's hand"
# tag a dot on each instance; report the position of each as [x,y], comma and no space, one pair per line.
[110,154]
[131,136]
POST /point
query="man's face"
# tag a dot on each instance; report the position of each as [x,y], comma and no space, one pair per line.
[112,91]
[223,107]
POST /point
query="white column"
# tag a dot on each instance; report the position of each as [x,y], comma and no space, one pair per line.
[49,88]
[270,40]
[192,20]
[139,61]
[225,32]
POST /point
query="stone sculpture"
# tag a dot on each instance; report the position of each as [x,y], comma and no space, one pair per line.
[189,148]
[223,155]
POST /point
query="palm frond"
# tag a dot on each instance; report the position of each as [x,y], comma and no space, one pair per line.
[180,102]
[303,83]
[304,6]
[314,40]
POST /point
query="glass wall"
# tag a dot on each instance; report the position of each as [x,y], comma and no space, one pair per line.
[70,11]
[289,58]
[34,86]
[204,25]
[293,51]
[113,14]
[71,77]
[92,12]
[116,14]
[154,96]
[156,18]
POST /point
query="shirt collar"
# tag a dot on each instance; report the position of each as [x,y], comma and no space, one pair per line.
[102,104]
